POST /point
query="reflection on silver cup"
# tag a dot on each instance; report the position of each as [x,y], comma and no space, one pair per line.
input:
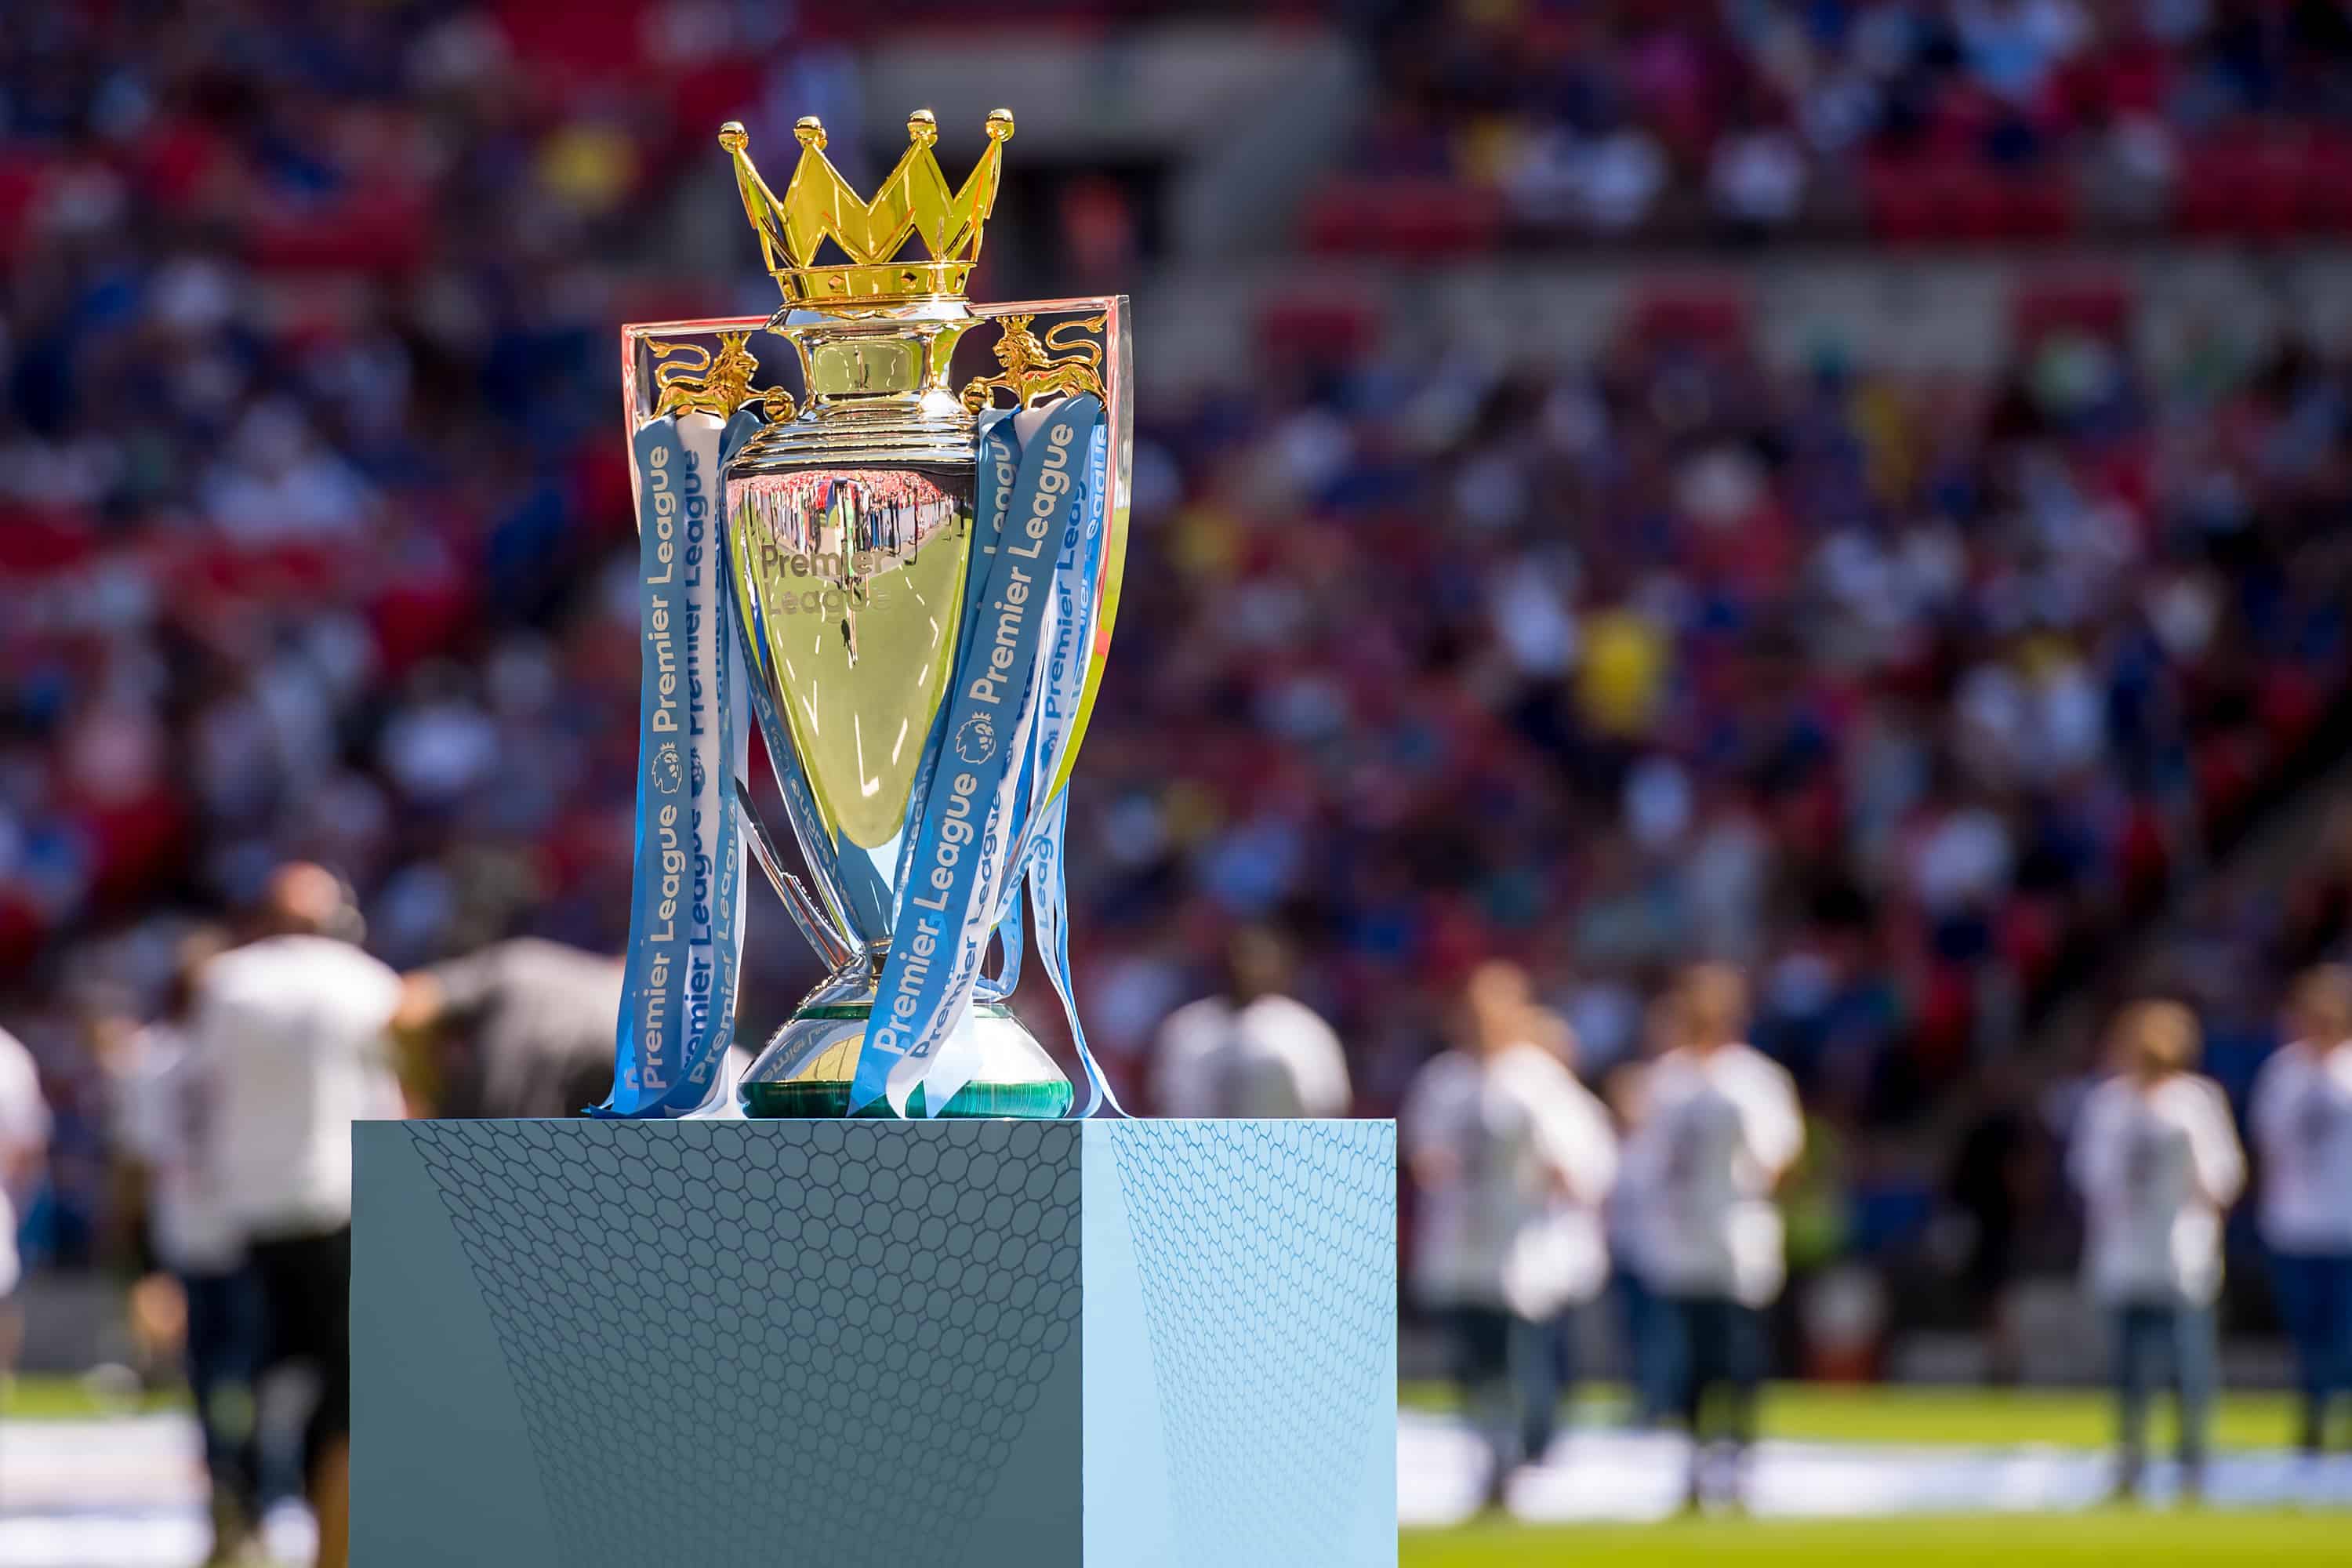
[851,584]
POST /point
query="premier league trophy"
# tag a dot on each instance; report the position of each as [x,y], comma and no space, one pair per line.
[911,586]
[971,1329]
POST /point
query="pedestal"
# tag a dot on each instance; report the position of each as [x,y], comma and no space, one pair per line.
[1110,1344]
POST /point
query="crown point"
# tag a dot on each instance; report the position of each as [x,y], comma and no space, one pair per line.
[732,136]
[809,131]
[1000,124]
[922,128]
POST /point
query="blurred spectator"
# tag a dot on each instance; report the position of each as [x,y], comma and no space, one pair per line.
[1652,1339]
[160,1106]
[292,1037]
[1251,1051]
[523,1027]
[1757,177]
[1722,1128]
[1996,1173]
[2157,1158]
[2300,1123]
[1514,1158]
[24,1136]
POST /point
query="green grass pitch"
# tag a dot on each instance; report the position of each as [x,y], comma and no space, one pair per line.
[2126,1539]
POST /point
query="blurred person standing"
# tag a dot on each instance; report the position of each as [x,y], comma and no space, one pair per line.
[1723,1127]
[24,1143]
[291,1037]
[1251,1050]
[2157,1162]
[1548,1376]
[160,1107]
[524,1027]
[1996,1174]
[1513,1160]
[2301,1119]
[1652,1339]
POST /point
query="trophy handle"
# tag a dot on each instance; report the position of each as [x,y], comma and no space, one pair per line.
[645,345]
[1116,373]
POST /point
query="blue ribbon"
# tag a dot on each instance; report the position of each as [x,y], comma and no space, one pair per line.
[996,987]
[967,854]
[1065,677]
[1049,897]
[1040,824]
[678,998]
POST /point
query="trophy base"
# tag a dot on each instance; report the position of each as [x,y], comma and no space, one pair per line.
[811,1061]
[815,1099]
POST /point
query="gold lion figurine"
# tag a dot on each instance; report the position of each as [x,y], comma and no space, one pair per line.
[697,381]
[1032,369]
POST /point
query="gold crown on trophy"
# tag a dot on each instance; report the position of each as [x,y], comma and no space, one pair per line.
[818,205]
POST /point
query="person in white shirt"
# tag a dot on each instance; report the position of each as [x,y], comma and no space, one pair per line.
[1512,1159]
[292,1037]
[23,1145]
[1723,1127]
[2301,1118]
[159,1103]
[1251,1050]
[2157,1159]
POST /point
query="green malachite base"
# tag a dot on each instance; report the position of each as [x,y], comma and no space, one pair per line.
[829,1098]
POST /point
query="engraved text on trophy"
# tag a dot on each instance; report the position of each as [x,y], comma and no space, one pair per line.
[852,578]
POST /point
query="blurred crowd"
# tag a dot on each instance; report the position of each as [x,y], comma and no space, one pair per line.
[1917,118]
[1911,694]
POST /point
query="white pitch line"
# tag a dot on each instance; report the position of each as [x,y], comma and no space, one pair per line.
[1594,1475]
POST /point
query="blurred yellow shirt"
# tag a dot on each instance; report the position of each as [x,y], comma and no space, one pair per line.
[1621,678]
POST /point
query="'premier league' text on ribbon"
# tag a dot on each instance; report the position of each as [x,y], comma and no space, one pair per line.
[983,729]
[678,991]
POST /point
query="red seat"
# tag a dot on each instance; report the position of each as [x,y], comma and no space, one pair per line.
[383,233]
[1954,196]
[21,179]
[1900,199]
[1710,311]
[2097,304]
[1319,324]
[2249,187]
[2327,184]
[1418,218]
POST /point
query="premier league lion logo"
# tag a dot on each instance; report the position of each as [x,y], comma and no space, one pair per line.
[668,772]
[975,742]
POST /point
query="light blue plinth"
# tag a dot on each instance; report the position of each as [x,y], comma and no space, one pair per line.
[1145,1345]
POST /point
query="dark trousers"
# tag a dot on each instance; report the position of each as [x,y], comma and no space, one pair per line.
[306,1285]
[2314,1299]
[1511,1374]
[1652,1345]
[1480,1347]
[224,1364]
[1543,1364]
[1719,1355]
[2153,1338]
